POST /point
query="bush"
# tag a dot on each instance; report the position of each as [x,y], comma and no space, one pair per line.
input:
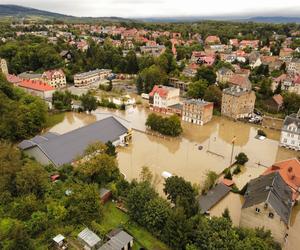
[237,169]
[241,158]
[210,180]
[228,175]
[260,132]
[167,126]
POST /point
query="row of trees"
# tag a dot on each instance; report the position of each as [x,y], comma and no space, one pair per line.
[170,126]
[22,115]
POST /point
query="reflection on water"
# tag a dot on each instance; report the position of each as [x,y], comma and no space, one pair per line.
[73,121]
[181,156]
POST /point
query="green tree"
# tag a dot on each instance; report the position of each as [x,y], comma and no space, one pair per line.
[291,102]
[101,169]
[83,205]
[32,178]
[62,100]
[149,77]
[132,63]
[213,94]
[89,102]
[137,199]
[206,73]
[210,181]
[197,89]
[155,215]
[181,193]
[38,223]
[177,229]
[241,158]
[111,149]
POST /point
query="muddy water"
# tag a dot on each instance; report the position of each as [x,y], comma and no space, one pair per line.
[182,157]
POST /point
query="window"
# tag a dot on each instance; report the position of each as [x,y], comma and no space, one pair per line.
[257,210]
[271,215]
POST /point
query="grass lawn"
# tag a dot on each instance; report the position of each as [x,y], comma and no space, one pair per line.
[113,218]
[54,119]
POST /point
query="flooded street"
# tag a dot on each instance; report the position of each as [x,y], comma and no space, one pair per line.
[181,156]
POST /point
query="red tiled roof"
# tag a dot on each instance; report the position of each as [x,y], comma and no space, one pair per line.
[278,99]
[289,171]
[212,39]
[227,182]
[50,73]
[36,85]
[163,92]
[13,79]
[297,79]
[240,80]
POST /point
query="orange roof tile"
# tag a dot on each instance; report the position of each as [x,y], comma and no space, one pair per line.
[36,85]
[289,171]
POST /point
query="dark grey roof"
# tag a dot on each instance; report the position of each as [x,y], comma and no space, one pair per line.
[293,118]
[213,196]
[117,241]
[36,140]
[176,106]
[272,190]
[65,148]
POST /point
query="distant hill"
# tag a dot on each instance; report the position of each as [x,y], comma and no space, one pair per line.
[274,19]
[16,11]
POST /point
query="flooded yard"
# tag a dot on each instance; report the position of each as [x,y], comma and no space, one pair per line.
[181,156]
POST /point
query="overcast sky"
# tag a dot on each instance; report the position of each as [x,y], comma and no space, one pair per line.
[158,8]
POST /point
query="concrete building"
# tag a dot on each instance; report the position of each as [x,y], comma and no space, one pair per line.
[90,77]
[268,203]
[237,102]
[52,148]
[293,67]
[55,78]
[197,111]
[156,50]
[224,74]
[290,132]
[3,66]
[162,97]
[37,88]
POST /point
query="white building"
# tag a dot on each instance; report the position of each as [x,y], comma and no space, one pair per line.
[90,77]
[290,133]
[161,97]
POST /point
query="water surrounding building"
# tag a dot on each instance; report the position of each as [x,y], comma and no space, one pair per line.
[290,132]
[197,111]
[90,77]
[237,102]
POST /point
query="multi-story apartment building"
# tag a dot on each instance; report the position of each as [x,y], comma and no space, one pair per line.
[290,132]
[90,77]
[3,66]
[237,102]
[293,67]
[197,111]
[162,97]
[55,78]
[156,50]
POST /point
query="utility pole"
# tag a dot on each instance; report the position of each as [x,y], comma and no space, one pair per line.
[232,150]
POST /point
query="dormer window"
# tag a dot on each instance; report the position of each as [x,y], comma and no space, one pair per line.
[257,210]
[271,215]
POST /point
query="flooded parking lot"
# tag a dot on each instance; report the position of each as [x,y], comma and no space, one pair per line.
[181,156]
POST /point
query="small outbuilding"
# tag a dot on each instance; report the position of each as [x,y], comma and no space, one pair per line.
[89,239]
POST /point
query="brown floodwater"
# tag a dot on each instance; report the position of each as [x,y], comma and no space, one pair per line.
[181,156]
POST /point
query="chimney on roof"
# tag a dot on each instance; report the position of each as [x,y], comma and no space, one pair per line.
[290,169]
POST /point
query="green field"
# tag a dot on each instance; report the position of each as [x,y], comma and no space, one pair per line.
[114,218]
[54,119]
